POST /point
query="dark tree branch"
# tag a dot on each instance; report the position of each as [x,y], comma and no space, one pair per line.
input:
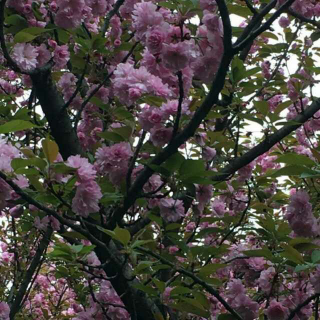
[134,159]
[16,305]
[268,143]
[256,20]
[227,29]
[301,305]
[251,7]
[52,105]
[115,265]
[79,85]
[180,101]
[197,280]
[241,219]
[179,139]
[255,33]
[110,14]
[303,19]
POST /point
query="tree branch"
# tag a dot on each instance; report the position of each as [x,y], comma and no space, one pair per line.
[110,14]
[191,275]
[268,143]
[16,305]
[254,34]
[301,305]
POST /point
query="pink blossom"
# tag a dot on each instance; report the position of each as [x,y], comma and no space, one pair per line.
[41,224]
[149,117]
[16,212]
[155,38]
[208,153]
[176,56]
[87,198]
[284,22]
[204,193]
[115,157]
[44,55]
[25,55]
[266,278]
[218,207]
[61,56]
[276,311]
[315,279]
[85,170]
[144,16]
[160,135]
[70,13]
[171,210]
[4,311]
[300,216]
[7,257]
[130,83]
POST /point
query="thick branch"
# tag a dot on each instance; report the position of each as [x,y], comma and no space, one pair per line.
[53,107]
[268,143]
[254,34]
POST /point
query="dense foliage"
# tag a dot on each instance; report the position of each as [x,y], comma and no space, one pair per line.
[159,159]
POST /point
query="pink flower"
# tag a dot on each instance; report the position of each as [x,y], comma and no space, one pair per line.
[160,135]
[204,193]
[42,224]
[284,22]
[85,170]
[208,153]
[149,117]
[110,158]
[176,56]
[16,212]
[315,280]
[218,207]
[87,198]
[155,38]
[276,311]
[4,311]
[171,210]
[25,55]
[7,257]
[144,16]
[70,13]
[300,216]
[44,55]
[61,56]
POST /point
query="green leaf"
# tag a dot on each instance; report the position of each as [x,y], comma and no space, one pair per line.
[315,256]
[301,267]
[291,254]
[265,253]
[122,235]
[192,167]
[16,125]
[293,158]
[111,136]
[211,268]
[191,306]
[22,163]
[145,289]
[292,170]
[50,149]
[22,37]
[262,107]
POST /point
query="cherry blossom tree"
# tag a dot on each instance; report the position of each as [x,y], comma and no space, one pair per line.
[159,159]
